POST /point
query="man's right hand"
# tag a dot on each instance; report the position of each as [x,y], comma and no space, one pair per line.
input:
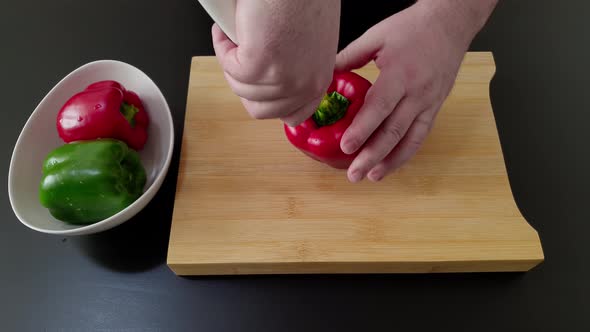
[285,58]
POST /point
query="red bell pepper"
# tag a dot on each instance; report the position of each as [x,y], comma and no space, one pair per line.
[319,136]
[104,109]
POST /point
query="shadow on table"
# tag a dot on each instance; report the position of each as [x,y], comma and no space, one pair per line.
[137,245]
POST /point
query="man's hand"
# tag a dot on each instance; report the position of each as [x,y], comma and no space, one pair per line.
[418,52]
[285,58]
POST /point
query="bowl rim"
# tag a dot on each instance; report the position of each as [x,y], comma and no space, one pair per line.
[151,190]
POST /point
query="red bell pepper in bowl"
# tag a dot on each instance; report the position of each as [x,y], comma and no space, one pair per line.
[319,136]
[104,109]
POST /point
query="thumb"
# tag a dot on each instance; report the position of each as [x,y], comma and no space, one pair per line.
[359,52]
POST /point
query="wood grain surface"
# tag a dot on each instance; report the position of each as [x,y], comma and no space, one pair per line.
[247,202]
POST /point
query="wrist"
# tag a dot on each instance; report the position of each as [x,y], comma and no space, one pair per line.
[460,19]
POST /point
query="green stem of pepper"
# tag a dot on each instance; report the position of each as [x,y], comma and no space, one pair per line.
[129,112]
[331,109]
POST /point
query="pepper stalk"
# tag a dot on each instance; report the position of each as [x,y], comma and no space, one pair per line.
[129,112]
[331,109]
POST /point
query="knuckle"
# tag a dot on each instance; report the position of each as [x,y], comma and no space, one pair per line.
[425,124]
[411,73]
[428,89]
[370,162]
[370,158]
[393,132]
[416,140]
[414,144]
[253,68]
[420,85]
[250,54]
[423,121]
[381,104]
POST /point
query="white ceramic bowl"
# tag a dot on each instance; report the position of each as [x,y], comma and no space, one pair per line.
[39,137]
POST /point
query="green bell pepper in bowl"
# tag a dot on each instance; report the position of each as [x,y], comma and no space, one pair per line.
[87,181]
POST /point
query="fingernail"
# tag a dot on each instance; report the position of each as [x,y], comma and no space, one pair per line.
[375,176]
[355,176]
[348,147]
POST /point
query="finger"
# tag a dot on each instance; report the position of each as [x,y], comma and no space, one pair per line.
[359,52]
[380,101]
[303,113]
[269,110]
[289,109]
[385,138]
[225,50]
[406,148]
[257,91]
[275,109]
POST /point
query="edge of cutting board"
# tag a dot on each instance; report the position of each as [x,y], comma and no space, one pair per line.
[183,269]
[523,262]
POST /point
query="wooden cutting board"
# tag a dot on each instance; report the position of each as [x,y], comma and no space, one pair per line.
[247,202]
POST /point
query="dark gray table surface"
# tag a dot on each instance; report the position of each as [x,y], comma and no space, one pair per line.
[118,280]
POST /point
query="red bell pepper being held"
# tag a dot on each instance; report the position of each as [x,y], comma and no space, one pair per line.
[104,109]
[319,136]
